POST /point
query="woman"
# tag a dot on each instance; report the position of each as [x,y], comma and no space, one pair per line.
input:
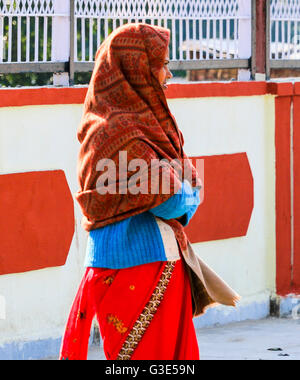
[136,281]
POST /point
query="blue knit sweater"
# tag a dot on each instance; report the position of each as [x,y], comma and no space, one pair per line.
[137,240]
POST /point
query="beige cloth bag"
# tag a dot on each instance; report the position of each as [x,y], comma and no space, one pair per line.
[208,289]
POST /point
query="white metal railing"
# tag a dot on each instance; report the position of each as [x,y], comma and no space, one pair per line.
[34,31]
[285,29]
[64,35]
[26,30]
[200,29]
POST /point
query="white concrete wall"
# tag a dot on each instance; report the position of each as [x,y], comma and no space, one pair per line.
[37,138]
[214,126]
[44,138]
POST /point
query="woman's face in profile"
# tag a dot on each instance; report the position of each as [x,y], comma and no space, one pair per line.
[164,73]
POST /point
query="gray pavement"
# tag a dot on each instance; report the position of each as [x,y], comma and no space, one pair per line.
[247,340]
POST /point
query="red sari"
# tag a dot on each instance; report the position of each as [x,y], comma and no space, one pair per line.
[144,313]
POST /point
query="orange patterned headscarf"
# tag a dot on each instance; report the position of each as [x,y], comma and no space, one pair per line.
[126,110]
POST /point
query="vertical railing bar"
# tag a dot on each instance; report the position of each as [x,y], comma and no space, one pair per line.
[194,38]
[73,42]
[207,37]
[101,27]
[276,38]
[98,32]
[214,39]
[235,28]
[188,40]
[91,39]
[296,40]
[83,59]
[283,40]
[221,37]
[1,38]
[36,39]
[106,27]
[228,38]
[289,38]
[174,57]
[45,43]
[200,26]
[27,38]
[180,40]
[5,42]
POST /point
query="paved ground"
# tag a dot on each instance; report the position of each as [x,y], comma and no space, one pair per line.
[249,340]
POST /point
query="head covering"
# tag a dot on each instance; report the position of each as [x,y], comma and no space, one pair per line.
[125,110]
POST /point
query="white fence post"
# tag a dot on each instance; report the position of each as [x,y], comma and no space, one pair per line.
[61,39]
[244,33]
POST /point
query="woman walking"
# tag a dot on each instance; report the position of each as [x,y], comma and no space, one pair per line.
[138,263]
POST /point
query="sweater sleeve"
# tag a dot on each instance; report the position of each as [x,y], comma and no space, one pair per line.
[182,204]
[193,208]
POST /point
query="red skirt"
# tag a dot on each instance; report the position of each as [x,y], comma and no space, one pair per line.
[144,313]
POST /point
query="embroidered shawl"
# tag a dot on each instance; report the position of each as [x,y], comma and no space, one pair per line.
[126,111]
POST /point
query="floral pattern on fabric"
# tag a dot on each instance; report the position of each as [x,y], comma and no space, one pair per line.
[119,325]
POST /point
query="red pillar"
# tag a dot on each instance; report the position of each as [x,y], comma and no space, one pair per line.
[283,196]
[296,205]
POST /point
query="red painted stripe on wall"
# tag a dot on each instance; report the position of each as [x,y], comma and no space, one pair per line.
[296,143]
[41,96]
[280,89]
[76,95]
[199,90]
[283,195]
[37,221]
